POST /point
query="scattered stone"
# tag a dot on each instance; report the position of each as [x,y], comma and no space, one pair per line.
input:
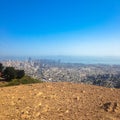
[38,102]
[25,116]
[83,91]
[67,111]
[37,114]
[111,107]
[77,98]
[39,94]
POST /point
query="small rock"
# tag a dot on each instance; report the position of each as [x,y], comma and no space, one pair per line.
[67,111]
[35,90]
[40,104]
[77,98]
[111,107]
[39,94]
[13,97]
[37,114]
[25,116]
[83,91]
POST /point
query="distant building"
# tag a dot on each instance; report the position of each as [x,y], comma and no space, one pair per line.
[29,60]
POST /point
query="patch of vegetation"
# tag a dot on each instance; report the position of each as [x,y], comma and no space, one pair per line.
[24,80]
[10,73]
[10,76]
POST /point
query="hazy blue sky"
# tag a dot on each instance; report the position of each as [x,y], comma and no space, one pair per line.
[60,27]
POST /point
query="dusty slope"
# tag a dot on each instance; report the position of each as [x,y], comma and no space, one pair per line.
[59,101]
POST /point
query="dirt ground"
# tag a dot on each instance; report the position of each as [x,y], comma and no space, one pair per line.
[59,101]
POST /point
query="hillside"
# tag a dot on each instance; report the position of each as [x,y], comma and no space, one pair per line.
[59,101]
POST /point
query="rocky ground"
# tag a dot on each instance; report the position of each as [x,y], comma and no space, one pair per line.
[59,101]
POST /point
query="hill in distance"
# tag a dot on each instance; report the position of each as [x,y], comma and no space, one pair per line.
[59,101]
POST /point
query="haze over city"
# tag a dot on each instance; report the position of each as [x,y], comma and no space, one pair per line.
[65,27]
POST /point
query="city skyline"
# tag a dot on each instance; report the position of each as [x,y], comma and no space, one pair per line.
[73,28]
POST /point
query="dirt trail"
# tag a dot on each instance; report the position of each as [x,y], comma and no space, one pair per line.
[59,101]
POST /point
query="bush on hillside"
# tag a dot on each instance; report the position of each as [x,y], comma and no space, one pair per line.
[9,73]
[24,80]
[20,74]
[1,67]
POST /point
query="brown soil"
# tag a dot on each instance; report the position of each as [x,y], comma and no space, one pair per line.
[59,101]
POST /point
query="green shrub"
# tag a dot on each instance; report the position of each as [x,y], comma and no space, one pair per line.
[9,73]
[24,80]
[1,67]
[20,74]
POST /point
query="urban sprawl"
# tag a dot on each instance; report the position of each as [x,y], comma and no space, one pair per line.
[56,71]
